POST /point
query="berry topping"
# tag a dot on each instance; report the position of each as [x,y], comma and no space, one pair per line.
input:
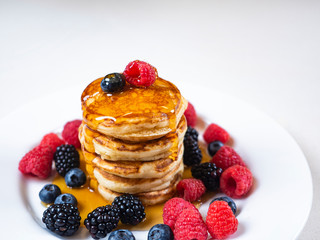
[209,174]
[52,140]
[190,189]
[227,157]
[160,232]
[191,115]
[63,219]
[228,200]
[102,221]
[214,147]
[192,154]
[215,133]
[189,226]
[140,74]
[236,181]
[70,133]
[221,221]
[66,157]
[75,177]
[113,82]
[49,193]
[131,209]
[66,198]
[121,234]
[37,162]
[172,209]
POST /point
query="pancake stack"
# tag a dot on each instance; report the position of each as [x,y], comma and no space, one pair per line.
[132,141]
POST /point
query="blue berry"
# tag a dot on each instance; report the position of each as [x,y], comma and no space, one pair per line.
[121,234]
[230,202]
[113,82]
[160,232]
[49,193]
[214,147]
[66,198]
[75,177]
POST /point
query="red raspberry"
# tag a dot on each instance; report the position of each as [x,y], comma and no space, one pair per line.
[236,181]
[227,157]
[38,161]
[191,189]
[172,209]
[191,115]
[189,225]
[140,74]
[70,133]
[215,133]
[221,221]
[52,140]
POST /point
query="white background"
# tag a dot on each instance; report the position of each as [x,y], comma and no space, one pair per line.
[265,52]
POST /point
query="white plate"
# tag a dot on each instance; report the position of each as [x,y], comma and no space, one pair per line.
[277,207]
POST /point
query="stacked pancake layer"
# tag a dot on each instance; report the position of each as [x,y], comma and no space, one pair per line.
[132,141]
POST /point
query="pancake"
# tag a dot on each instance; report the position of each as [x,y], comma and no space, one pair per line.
[113,149]
[134,114]
[140,169]
[136,185]
[147,198]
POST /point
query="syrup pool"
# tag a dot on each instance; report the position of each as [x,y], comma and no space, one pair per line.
[89,199]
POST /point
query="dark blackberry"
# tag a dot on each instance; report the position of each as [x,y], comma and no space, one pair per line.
[63,219]
[66,157]
[192,154]
[131,209]
[192,132]
[102,221]
[209,174]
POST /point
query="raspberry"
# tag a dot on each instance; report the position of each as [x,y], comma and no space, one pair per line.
[191,189]
[221,221]
[215,133]
[172,209]
[51,140]
[189,225]
[70,133]
[191,115]
[236,181]
[38,162]
[227,157]
[140,74]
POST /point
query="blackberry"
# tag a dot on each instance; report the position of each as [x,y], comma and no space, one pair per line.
[131,209]
[63,219]
[102,221]
[209,174]
[66,157]
[192,154]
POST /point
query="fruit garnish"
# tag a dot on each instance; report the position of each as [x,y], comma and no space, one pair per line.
[228,200]
[70,133]
[121,234]
[140,74]
[209,174]
[66,157]
[226,157]
[75,178]
[236,181]
[192,154]
[215,133]
[160,231]
[191,115]
[66,198]
[49,193]
[113,82]
[191,189]
[52,140]
[220,220]
[214,147]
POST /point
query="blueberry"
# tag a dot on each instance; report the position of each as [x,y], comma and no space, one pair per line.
[121,234]
[75,177]
[49,193]
[160,232]
[214,147]
[113,82]
[230,202]
[66,198]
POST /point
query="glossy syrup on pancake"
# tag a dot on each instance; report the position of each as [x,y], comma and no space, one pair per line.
[157,102]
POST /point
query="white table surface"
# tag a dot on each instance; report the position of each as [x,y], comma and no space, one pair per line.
[264,52]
